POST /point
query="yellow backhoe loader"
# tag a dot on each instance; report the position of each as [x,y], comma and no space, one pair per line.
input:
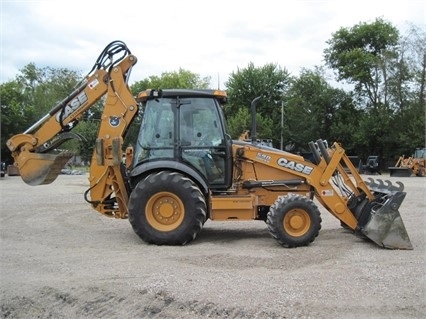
[407,166]
[184,168]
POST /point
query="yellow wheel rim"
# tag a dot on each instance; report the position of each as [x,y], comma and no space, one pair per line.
[297,222]
[165,211]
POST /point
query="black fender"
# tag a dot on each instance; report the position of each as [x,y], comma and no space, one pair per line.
[146,168]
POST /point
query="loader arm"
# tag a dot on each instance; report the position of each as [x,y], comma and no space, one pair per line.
[370,208]
[373,204]
[36,153]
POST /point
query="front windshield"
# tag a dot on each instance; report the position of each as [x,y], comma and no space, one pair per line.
[157,130]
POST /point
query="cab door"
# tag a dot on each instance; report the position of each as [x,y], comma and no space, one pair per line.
[204,144]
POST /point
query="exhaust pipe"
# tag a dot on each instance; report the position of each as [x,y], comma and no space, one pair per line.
[253,119]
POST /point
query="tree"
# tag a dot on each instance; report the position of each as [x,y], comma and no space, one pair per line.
[88,129]
[16,115]
[45,87]
[361,55]
[270,82]
[314,109]
[409,121]
[30,97]
[241,122]
[345,120]
[412,53]
[181,79]
[389,76]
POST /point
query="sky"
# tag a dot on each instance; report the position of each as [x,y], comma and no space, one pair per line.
[212,39]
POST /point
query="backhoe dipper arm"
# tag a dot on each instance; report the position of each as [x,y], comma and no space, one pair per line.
[44,134]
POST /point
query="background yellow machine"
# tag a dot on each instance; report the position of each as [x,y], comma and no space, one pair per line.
[407,166]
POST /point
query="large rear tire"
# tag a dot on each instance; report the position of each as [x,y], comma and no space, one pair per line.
[167,208]
[294,221]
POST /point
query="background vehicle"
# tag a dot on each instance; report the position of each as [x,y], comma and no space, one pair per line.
[407,166]
[2,169]
[371,165]
[185,168]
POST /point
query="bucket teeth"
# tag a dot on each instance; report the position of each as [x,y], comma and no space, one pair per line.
[398,188]
[380,186]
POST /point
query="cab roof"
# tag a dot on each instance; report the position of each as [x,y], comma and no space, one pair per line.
[154,94]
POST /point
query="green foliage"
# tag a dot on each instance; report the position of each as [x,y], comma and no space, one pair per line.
[345,121]
[31,96]
[45,87]
[182,79]
[388,72]
[270,82]
[410,125]
[310,108]
[241,122]
[360,55]
[89,130]
[132,133]
[16,114]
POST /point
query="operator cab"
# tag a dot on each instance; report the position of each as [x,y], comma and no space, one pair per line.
[185,128]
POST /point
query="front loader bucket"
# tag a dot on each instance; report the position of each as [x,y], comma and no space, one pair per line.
[386,227]
[41,168]
[400,171]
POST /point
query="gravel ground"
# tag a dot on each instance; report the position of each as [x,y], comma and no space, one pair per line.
[61,259]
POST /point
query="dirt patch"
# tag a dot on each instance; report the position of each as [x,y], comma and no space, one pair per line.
[61,259]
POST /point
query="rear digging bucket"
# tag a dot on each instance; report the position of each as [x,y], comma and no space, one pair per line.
[39,169]
[386,227]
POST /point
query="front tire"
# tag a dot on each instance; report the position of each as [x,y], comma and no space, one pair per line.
[167,208]
[294,221]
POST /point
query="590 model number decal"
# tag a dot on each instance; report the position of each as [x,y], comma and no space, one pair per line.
[298,167]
